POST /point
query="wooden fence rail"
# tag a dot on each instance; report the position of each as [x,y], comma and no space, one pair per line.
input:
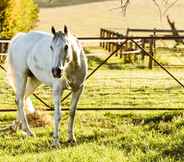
[143,41]
[152,30]
[129,50]
[110,41]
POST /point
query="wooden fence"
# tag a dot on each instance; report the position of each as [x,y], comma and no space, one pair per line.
[136,41]
[3,50]
[130,49]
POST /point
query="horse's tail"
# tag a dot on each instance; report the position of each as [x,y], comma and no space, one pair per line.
[10,75]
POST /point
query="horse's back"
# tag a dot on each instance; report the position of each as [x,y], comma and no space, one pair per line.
[25,41]
[21,46]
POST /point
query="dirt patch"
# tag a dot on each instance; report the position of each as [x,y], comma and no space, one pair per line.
[39,119]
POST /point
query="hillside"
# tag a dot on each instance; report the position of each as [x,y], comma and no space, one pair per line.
[85,17]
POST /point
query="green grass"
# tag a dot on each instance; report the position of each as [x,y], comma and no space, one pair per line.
[107,136]
[118,85]
[118,88]
[103,136]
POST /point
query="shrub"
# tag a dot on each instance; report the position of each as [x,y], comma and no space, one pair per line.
[17,16]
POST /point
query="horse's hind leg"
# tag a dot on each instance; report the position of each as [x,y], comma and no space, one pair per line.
[21,80]
[32,84]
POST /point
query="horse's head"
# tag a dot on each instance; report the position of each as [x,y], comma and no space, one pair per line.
[61,50]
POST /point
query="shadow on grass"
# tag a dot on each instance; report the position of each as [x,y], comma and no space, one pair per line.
[94,61]
[62,3]
[176,150]
[91,138]
[143,120]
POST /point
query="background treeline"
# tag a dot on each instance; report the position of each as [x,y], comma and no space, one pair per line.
[17,16]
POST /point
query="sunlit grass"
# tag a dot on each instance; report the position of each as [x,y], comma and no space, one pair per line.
[107,136]
[102,136]
[117,85]
[118,88]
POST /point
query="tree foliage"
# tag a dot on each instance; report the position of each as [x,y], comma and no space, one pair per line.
[17,16]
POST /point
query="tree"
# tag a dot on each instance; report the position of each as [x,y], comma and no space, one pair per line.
[163,5]
[17,16]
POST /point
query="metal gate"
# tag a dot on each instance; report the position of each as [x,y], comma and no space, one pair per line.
[136,89]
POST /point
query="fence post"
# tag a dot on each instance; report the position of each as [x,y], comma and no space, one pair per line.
[150,63]
[154,41]
[106,35]
[121,50]
[117,44]
[154,44]
[125,49]
[135,55]
[142,52]
[113,44]
[109,44]
[101,36]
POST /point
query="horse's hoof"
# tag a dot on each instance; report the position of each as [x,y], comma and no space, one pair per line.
[72,141]
[55,144]
[15,126]
[29,133]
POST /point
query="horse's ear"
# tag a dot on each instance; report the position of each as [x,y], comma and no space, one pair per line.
[53,30]
[65,30]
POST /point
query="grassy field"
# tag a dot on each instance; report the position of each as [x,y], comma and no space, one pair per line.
[132,136]
[108,136]
[119,85]
[102,137]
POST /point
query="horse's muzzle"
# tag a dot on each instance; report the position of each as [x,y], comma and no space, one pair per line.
[57,72]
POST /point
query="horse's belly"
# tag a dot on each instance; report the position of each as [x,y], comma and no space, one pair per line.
[40,65]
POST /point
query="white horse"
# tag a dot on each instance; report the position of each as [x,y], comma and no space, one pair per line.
[57,60]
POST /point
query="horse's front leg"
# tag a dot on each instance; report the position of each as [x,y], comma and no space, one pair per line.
[75,99]
[57,90]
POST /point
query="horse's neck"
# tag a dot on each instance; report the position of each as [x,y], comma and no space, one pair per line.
[77,66]
[77,69]
[83,60]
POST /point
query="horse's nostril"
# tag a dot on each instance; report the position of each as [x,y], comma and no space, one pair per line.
[56,72]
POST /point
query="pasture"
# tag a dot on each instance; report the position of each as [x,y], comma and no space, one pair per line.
[107,136]
[102,136]
[133,86]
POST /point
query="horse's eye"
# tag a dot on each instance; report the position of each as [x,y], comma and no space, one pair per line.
[51,48]
[66,47]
